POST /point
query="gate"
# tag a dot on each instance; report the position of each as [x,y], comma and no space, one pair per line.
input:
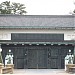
[38,57]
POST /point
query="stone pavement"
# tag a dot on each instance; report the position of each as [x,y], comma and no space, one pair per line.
[41,72]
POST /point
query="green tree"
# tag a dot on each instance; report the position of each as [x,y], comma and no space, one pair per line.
[5,8]
[74,11]
[18,8]
[12,8]
[1,58]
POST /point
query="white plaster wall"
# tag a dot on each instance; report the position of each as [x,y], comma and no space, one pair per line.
[6,34]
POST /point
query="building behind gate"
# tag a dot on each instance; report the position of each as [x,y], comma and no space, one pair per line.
[37,41]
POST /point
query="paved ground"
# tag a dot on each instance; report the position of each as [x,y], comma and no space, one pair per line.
[41,72]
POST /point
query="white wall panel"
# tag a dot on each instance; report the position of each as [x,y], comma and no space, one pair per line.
[6,34]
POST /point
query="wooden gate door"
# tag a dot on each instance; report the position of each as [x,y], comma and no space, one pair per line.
[32,58]
[37,58]
[54,60]
[19,58]
[42,59]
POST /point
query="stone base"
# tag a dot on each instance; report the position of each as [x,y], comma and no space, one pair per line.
[68,67]
[1,65]
[10,65]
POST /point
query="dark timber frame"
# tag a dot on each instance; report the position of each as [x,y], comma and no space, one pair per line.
[37,50]
[38,56]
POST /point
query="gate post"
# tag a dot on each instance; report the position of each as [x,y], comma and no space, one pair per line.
[74,49]
[74,55]
[0,45]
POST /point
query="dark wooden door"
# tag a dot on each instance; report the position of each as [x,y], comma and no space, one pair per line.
[51,57]
[42,59]
[54,60]
[32,58]
[19,58]
[37,58]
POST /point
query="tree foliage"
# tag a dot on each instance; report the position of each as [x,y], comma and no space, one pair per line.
[74,11]
[18,8]
[12,8]
[1,58]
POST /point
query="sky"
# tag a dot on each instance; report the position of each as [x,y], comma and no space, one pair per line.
[47,7]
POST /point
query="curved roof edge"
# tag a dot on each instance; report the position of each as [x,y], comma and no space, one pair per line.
[37,21]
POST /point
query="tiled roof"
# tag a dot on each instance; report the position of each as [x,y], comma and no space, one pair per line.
[37,21]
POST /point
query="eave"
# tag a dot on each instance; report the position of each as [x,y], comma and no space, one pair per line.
[34,27]
[59,43]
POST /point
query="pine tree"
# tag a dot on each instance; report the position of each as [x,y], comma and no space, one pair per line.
[12,8]
[1,61]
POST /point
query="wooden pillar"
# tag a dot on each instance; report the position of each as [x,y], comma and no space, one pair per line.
[74,49]
[74,55]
